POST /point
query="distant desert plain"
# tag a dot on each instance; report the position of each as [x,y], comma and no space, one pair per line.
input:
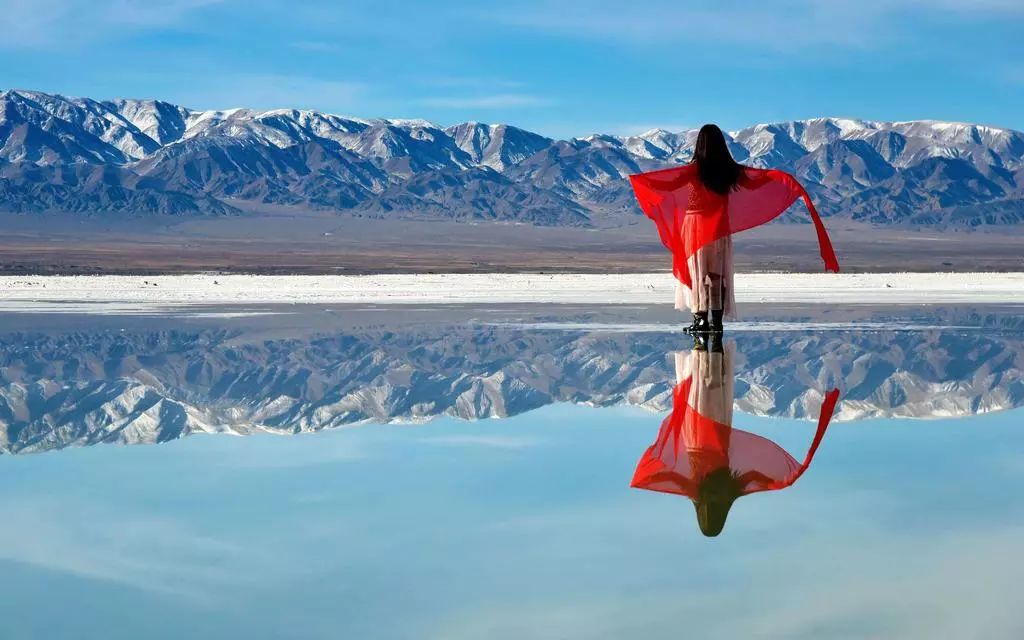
[321,242]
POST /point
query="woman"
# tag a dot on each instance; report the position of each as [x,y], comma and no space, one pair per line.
[697,207]
[699,455]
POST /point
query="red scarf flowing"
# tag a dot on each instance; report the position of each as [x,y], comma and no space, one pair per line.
[690,446]
[689,216]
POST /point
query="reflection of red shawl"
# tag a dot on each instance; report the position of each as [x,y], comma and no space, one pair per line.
[690,446]
[690,216]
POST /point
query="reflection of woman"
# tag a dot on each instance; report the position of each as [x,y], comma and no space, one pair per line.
[697,207]
[699,455]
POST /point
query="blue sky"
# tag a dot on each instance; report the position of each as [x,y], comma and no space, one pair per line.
[560,67]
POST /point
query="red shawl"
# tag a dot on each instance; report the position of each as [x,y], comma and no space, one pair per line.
[690,446]
[690,216]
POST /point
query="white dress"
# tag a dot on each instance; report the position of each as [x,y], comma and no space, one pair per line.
[712,274]
[713,387]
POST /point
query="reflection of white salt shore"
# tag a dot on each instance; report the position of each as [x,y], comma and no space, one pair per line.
[740,326]
[138,293]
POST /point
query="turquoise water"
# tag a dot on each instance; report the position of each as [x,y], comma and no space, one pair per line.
[519,527]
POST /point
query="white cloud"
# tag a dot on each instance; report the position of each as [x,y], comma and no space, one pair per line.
[48,23]
[977,7]
[781,25]
[564,130]
[635,129]
[488,441]
[824,566]
[495,101]
[272,92]
[316,46]
[154,554]
[1013,74]
[784,25]
[475,82]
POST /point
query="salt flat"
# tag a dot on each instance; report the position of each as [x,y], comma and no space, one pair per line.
[127,294]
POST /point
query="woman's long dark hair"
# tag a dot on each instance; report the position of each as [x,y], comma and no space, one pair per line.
[715,166]
[715,495]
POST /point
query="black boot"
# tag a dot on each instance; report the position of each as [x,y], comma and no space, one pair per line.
[700,342]
[700,323]
[715,343]
[716,321]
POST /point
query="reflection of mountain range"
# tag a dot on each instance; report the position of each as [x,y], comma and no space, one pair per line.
[926,374]
[151,386]
[145,156]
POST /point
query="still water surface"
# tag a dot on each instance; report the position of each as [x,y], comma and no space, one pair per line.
[422,519]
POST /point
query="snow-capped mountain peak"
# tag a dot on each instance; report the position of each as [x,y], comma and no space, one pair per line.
[200,161]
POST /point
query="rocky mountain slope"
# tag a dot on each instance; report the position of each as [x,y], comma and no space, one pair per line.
[146,156]
[144,386]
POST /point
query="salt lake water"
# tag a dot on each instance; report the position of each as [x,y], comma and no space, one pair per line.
[369,473]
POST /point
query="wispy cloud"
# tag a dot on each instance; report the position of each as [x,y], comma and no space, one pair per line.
[661,22]
[566,129]
[316,46]
[495,101]
[153,554]
[1012,74]
[274,92]
[488,441]
[474,82]
[781,26]
[635,129]
[977,7]
[894,581]
[39,23]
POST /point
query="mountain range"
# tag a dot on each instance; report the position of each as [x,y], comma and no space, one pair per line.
[146,386]
[150,157]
